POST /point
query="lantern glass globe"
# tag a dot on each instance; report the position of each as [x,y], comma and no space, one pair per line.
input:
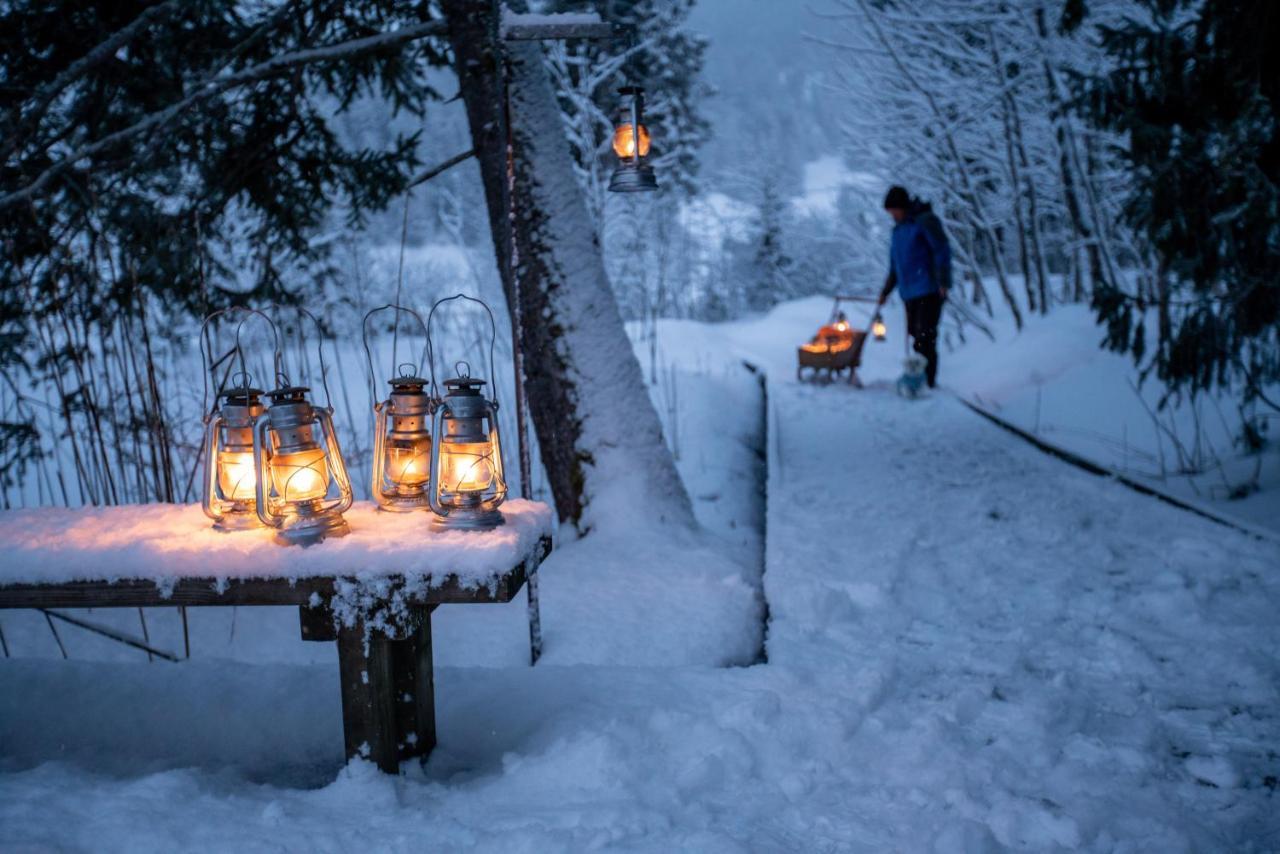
[409,461]
[236,475]
[624,141]
[466,466]
[300,475]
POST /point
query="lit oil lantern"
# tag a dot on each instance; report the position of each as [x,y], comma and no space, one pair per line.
[467,482]
[878,329]
[297,458]
[230,482]
[229,496]
[402,446]
[631,142]
[401,436]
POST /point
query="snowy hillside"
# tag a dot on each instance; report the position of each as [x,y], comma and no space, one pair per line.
[971,646]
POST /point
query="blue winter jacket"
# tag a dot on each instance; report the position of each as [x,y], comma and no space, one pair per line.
[919,255]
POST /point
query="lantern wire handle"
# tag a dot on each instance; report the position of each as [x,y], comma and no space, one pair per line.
[493,339]
[368,354]
[324,371]
[209,364]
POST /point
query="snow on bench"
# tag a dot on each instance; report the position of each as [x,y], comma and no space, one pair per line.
[165,542]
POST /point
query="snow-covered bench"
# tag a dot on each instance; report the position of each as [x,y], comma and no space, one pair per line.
[372,591]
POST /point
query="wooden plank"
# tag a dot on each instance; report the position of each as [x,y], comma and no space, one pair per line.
[133,593]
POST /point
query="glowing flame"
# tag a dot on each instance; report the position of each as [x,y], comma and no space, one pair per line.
[237,477]
[624,144]
[300,476]
[409,464]
[466,467]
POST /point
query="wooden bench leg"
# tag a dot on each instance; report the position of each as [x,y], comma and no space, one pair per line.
[415,692]
[388,694]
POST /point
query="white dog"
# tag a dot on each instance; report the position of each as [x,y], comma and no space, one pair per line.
[911,383]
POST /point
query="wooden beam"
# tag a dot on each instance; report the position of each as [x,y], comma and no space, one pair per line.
[516,30]
[143,593]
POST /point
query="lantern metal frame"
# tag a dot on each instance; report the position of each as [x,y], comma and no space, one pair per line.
[460,418]
[632,174]
[287,428]
[229,422]
[403,417]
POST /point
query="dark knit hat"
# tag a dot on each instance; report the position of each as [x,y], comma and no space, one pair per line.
[897,197]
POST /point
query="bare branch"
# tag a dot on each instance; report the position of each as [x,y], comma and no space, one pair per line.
[427,175]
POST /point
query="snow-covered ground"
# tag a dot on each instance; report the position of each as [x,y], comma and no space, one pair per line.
[971,647]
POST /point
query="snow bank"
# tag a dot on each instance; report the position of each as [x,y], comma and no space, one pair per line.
[164,542]
[973,647]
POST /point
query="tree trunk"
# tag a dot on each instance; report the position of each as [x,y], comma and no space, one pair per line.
[599,434]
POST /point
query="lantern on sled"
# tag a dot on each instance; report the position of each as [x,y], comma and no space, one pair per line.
[467,483]
[401,435]
[878,329]
[631,143]
[302,484]
[229,496]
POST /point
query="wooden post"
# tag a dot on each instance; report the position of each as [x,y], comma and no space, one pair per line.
[388,693]
[415,693]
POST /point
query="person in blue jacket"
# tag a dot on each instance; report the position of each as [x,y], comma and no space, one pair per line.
[920,268]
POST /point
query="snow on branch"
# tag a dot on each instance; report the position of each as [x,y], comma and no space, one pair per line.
[565,25]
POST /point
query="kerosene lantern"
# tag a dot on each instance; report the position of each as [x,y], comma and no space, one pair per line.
[402,445]
[401,430]
[229,496]
[299,469]
[878,329]
[631,142]
[230,481]
[467,482]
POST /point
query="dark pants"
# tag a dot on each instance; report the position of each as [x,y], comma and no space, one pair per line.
[923,314]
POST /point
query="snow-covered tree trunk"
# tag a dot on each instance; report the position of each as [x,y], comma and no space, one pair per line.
[600,437]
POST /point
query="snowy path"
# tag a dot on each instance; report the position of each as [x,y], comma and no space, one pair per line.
[973,647]
[1019,643]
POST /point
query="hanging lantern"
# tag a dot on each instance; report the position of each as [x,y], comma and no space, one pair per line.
[878,329]
[230,482]
[467,482]
[631,142]
[297,460]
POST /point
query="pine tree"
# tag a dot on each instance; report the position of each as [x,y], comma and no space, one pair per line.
[174,157]
[771,266]
[1196,90]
